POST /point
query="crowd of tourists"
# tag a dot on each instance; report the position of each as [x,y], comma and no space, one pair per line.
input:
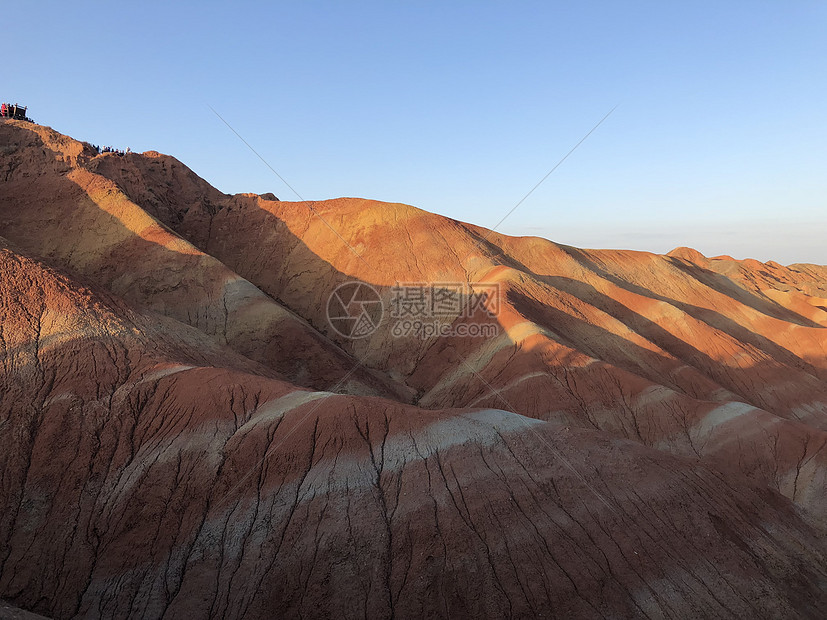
[109,149]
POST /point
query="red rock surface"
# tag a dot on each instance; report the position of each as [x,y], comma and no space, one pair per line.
[646,437]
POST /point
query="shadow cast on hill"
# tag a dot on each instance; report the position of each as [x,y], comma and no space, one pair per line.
[261,247]
[271,271]
[45,212]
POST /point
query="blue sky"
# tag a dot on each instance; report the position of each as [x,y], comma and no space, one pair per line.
[719,140]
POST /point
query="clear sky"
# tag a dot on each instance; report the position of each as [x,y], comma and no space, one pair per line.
[719,140]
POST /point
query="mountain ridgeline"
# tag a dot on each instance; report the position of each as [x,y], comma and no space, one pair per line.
[186,432]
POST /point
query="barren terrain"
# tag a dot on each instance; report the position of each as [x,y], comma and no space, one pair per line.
[184,435]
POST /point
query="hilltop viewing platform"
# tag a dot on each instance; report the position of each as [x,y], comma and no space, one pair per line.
[14,111]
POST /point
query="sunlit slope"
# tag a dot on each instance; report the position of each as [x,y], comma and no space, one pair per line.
[185,435]
[53,205]
[146,473]
[665,350]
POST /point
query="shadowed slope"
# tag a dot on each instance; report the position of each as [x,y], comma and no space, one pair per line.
[623,447]
[53,206]
[658,349]
[157,486]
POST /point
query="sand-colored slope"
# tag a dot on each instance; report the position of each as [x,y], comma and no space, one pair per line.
[651,348]
[644,437]
[146,474]
[53,205]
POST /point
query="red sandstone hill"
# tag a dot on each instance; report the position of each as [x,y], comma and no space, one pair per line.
[185,434]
